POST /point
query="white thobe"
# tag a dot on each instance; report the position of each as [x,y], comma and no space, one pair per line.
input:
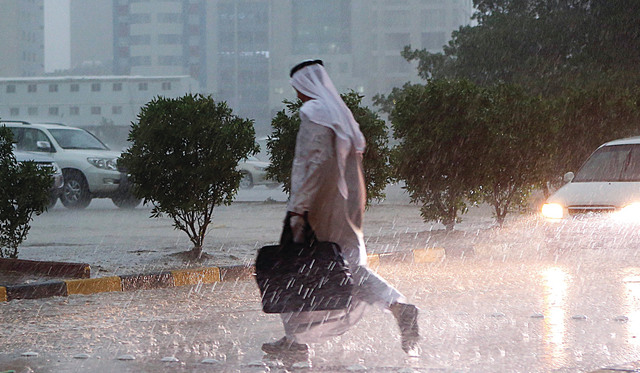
[314,188]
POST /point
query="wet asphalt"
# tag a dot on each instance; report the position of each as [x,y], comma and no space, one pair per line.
[499,310]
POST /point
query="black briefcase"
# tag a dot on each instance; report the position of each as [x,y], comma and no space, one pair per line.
[295,277]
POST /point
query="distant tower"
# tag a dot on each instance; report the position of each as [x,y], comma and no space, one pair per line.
[91,36]
[160,37]
[22,38]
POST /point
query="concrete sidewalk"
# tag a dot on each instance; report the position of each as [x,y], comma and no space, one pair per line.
[180,277]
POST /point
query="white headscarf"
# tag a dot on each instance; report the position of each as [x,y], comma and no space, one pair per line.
[327,108]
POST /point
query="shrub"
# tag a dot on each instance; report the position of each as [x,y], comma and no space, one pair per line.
[183,159]
[24,191]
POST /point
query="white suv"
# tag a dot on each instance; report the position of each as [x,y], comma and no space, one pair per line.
[89,167]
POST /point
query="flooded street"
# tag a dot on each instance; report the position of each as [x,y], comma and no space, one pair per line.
[476,315]
[506,300]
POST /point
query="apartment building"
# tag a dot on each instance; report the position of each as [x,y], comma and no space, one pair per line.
[240,51]
[22,41]
[86,101]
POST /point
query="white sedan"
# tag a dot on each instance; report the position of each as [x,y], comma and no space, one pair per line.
[609,181]
[254,172]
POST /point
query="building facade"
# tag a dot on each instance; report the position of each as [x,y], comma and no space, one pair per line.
[240,51]
[22,41]
[86,101]
[91,36]
[161,37]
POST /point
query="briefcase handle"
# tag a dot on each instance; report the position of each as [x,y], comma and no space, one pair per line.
[287,233]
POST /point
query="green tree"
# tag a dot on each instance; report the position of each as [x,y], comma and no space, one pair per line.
[24,191]
[589,117]
[183,159]
[440,137]
[282,142]
[520,142]
[580,56]
[544,45]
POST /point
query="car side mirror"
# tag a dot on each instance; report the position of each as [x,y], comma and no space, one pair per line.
[568,177]
[44,145]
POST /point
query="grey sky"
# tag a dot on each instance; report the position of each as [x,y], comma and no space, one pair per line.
[56,35]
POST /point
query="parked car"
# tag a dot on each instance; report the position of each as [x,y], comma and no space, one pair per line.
[609,181]
[43,160]
[89,167]
[254,173]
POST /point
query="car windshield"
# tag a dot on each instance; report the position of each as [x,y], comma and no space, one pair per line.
[612,163]
[70,138]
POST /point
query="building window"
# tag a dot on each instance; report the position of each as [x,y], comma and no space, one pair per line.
[143,86]
[169,60]
[168,17]
[434,40]
[32,110]
[11,88]
[14,111]
[53,111]
[166,86]
[116,110]
[141,61]
[396,18]
[321,27]
[96,110]
[74,110]
[169,39]
[117,86]
[32,88]
[396,40]
[140,39]
[139,18]
[53,88]
[75,87]
[95,87]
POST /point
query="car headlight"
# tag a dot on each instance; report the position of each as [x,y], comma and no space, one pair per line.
[630,212]
[104,163]
[552,211]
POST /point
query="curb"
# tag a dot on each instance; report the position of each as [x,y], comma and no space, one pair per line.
[63,269]
[181,277]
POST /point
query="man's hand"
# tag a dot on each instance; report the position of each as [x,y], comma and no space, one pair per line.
[297,228]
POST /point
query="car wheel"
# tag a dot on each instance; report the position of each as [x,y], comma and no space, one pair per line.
[247,181]
[75,192]
[126,201]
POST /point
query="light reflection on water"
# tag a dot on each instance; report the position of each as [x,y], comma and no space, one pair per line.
[556,283]
[632,297]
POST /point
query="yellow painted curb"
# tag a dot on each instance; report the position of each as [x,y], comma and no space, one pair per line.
[3,294]
[373,260]
[430,255]
[196,276]
[94,285]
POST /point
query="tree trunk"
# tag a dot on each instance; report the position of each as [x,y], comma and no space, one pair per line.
[196,252]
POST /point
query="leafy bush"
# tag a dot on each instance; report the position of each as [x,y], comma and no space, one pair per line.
[24,191]
[183,159]
[440,138]
[460,143]
[519,149]
[282,142]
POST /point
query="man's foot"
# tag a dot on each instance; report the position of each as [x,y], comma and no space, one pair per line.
[284,345]
[407,317]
